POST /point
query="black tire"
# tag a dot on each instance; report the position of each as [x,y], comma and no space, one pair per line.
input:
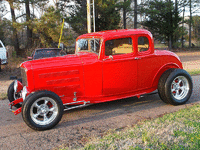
[175,86]
[34,110]
[10,93]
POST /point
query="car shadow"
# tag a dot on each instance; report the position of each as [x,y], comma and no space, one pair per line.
[112,109]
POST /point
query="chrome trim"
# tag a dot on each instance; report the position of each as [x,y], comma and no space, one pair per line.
[136,58]
[75,98]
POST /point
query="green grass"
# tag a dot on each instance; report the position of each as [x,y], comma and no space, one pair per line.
[179,130]
[3,96]
[160,46]
[195,72]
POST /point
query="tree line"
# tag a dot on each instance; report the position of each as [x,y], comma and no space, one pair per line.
[37,23]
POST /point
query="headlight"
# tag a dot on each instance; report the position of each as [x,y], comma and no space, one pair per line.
[24,92]
[15,86]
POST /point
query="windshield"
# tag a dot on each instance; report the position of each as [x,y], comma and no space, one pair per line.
[46,53]
[88,45]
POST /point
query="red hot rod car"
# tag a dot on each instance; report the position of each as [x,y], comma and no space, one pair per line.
[107,66]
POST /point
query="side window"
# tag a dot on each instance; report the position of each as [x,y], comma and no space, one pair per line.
[118,46]
[143,44]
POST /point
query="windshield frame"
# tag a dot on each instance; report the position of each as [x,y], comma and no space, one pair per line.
[89,51]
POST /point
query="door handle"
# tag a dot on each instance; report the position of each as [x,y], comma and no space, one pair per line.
[136,58]
[110,57]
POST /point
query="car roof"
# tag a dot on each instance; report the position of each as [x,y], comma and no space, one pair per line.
[113,33]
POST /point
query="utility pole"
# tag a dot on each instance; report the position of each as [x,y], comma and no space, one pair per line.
[93,17]
[88,17]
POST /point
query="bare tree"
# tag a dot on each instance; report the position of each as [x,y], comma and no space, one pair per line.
[182,39]
[28,18]
[124,16]
[190,24]
[135,14]
[15,36]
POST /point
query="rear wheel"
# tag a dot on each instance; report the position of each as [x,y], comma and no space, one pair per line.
[175,86]
[42,110]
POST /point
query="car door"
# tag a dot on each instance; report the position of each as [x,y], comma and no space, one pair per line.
[119,67]
[147,64]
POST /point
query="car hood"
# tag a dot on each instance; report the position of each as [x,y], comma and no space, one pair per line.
[61,61]
[55,72]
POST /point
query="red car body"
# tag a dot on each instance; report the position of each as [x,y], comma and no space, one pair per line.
[98,79]
[106,66]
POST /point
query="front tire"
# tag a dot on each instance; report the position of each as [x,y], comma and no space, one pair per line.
[12,95]
[42,110]
[175,86]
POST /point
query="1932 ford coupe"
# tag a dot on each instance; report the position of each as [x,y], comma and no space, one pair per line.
[106,66]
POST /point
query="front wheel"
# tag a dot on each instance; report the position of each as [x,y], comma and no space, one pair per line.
[12,95]
[175,86]
[42,110]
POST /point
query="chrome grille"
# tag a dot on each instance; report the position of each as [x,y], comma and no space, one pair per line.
[24,77]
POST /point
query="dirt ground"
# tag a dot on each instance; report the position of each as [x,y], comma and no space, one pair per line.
[5,79]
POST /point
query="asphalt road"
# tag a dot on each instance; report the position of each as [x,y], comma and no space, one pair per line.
[76,125]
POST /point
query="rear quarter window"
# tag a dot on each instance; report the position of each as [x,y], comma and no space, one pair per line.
[143,44]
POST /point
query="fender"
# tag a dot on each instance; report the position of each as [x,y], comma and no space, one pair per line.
[162,70]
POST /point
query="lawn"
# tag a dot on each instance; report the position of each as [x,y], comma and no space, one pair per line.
[178,130]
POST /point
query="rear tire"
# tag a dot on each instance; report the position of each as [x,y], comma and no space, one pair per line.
[175,86]
[42,110]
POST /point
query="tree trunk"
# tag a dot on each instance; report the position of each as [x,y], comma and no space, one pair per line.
[170,43]
[135,15]
[171,29]
[183,27]
[124,16]
[15,37]
[190,24]
[84,11]
[176,22]
[29,30]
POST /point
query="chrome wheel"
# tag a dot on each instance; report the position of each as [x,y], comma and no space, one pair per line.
[16,95]
[180,87]
[44,110]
